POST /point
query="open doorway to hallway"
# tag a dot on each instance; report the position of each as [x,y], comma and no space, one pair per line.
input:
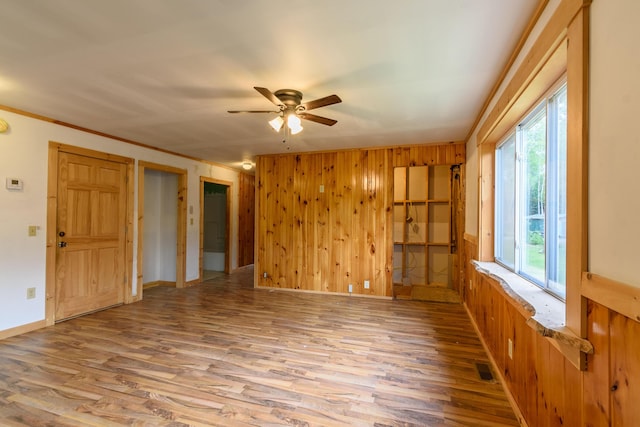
[160,228]
[214,242]
[162,211]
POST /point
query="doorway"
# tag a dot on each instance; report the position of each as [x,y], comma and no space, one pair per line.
[215,212]
[88,218]
[162,213]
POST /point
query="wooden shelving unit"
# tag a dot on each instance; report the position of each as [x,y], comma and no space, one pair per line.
[422,219]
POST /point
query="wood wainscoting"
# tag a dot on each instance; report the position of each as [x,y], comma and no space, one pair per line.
[324,220]
[545,388]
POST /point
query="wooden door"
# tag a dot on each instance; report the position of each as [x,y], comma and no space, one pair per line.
[90,261]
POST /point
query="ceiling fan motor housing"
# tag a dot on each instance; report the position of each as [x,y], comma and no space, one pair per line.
[289,97]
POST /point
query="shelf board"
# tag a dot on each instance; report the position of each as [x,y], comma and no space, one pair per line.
[402,202]
[422,243]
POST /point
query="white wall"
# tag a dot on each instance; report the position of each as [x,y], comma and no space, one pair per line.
[213,261]
[22,258]
[614,143]
[160,226]
[23,154]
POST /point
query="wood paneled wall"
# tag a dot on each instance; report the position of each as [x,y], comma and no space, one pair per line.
[246,220]
[324,220]
[612,379]
[547,389]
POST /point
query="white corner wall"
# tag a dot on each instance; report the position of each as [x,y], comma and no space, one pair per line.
[614,141]
[23,155]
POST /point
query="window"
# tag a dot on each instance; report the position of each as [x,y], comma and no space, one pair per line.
[531,194]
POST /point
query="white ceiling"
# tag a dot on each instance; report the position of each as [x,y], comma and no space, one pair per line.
[165,72]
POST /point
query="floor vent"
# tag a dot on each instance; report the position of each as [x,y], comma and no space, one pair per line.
[484,371]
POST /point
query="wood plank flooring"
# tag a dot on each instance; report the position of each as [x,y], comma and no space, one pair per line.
[224,354]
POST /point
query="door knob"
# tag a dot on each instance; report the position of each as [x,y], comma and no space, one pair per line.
[62,244]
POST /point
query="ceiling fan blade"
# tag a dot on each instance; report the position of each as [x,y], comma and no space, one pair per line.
[322,102]
[318,119]
[251,111]
[269,95]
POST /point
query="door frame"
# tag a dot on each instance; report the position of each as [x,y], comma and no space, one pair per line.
[52,208]
[227,240]
[181,200]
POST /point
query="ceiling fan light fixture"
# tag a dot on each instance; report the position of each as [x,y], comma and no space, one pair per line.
[291,109]
[293,121]
[276,123]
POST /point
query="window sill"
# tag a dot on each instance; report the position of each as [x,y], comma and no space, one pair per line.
[546,314]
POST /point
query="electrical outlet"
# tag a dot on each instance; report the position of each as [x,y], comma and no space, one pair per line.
[510,348]
[366,284]
[31,293]
[264,274]
[350,288]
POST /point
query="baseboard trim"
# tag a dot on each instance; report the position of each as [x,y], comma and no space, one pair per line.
[192,282]
[308,291]
[158,283]
[22,329]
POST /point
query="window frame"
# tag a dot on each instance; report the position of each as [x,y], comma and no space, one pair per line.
[562,48]
[545,106]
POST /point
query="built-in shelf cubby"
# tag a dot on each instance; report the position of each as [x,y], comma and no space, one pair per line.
[422,218]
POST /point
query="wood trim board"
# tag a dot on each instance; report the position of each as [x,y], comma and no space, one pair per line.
[106,135]
[551,37]
[617,296]
[542,4]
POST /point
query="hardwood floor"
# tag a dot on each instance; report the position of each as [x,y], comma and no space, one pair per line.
[223,353]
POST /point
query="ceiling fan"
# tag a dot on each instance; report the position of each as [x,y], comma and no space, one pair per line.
[291,108]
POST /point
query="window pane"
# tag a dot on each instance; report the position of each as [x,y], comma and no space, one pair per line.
[532,195]
[505,202]
[557,194]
